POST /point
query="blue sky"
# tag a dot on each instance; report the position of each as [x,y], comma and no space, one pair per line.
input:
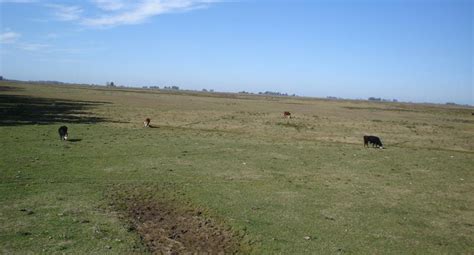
[412,50]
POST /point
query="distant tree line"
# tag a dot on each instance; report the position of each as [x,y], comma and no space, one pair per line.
[171,87]
[382,99]
[274,93]
[164,87]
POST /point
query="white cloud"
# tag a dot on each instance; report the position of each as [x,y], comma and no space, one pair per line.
[12,38]
[124,12]
[109,5]
[140,11]
[9,37]
[65,12]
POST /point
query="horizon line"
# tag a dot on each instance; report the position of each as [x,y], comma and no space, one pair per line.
[260,93]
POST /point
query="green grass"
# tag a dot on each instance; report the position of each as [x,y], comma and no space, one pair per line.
[271,180]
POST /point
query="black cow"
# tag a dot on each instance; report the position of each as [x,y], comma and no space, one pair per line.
[62,133]
[374,140]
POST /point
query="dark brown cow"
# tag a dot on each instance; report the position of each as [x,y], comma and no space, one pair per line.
[287,114]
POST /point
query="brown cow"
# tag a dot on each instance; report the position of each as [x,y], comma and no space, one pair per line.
[147,122]
[287,114]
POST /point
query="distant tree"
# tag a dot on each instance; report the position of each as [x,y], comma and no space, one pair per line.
[1,78]
[273,93]
[204,90]
[375,99]
[110,84]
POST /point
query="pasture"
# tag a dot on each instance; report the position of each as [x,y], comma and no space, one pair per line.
[233,166]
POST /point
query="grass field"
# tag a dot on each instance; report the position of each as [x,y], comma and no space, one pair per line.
[304,185]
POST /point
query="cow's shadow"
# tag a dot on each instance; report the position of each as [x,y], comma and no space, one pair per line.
[74,140]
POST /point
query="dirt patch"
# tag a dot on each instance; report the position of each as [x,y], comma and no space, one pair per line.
[167,227]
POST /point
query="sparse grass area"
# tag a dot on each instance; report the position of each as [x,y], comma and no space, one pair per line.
[269,180]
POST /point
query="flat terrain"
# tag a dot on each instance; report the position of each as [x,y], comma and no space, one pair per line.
[230,169]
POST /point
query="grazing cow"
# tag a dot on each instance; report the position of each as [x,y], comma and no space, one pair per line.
[374,140]
[147,122]
[62,133]
[287,114]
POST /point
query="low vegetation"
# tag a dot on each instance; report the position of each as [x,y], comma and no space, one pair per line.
[233,170]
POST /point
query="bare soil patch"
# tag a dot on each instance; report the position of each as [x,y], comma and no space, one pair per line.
[168,227]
